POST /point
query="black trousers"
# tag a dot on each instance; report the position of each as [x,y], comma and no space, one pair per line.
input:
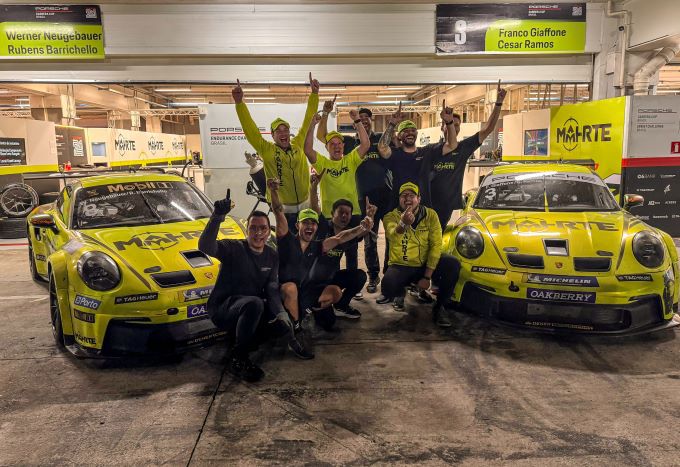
[246,322]
[352,253]
[350,282]
[381,199]
[445,276]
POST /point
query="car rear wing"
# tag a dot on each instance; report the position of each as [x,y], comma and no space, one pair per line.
[488,163]
[83,173]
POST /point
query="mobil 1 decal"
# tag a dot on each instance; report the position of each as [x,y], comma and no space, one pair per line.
[511,28]
[660,188]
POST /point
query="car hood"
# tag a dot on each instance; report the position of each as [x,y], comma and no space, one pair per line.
[588,234]
[150,249]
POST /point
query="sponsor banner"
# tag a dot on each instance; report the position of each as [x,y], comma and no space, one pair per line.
[654,123]
[145,297]
[549,279]
[86,302]
[51,32]
[123,147]
[634,277]
[561,295]
[511,28]
[195,294]
[488,270]
[12,151]
[84,316]
[591,130]
[223,142]
[194,311]
[660,188]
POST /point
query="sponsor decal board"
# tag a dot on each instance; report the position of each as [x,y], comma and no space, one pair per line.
[660,188]
[511,28]
[570,296]
[574,281]
[124,147]
[145,297]
[223,142]
[194,311]
[591,130]
[51,32]
[12,151]
[86,302]
[71,145]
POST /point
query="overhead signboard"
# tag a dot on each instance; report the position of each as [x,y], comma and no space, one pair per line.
[591,130]
[511,28]
[12,151]
[54,32]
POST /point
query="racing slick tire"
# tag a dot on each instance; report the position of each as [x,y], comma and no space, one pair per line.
[55,315]
[31,264]
[12,227]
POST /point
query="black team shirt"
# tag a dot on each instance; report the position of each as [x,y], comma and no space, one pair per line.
[371,173]
[244,272]
[295,263]
[407,166]
[442,177]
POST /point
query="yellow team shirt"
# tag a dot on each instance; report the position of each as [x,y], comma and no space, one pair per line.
[289,166]
[419,246]
[339,181]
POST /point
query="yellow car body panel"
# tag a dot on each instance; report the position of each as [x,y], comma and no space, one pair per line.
[142,253]
[534,286]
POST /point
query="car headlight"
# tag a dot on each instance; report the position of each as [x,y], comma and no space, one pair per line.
[469,243]
[98,271]
[648,249]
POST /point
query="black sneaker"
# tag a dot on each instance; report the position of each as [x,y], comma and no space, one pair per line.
[441,316]
[358,296]
[245,369]
[298,349]
[372,286]
[381,300]
[349,312]
[424,297]
[398,304]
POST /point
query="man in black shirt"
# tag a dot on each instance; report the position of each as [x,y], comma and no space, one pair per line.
[246,301]
[307,276]
[443,174]
[373,180]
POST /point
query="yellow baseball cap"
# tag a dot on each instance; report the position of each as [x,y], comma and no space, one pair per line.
[279,121]
[334,134]
[308,214]
[406,124]
[409,186]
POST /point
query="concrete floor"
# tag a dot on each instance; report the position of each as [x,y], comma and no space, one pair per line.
[391,389]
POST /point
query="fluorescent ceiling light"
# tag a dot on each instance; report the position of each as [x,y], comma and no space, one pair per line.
[19,99]
[260,98]
[256,90]
[61,80]
[402,88]
[392,95]
[172,89]
[186,104]
[344,88]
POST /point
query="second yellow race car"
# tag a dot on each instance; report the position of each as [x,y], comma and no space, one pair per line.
[120,254]
[547,246]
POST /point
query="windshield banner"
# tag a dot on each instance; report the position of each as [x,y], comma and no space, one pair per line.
[51,32]
[511,28]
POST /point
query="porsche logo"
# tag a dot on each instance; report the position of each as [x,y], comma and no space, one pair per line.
[558,265]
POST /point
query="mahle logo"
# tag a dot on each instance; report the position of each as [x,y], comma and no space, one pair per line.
[572,134]
[123,144]
[151,241]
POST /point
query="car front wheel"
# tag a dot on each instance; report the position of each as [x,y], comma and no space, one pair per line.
[55,315]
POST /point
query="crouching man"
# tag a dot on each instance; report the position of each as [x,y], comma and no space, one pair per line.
[246,301]
[415,254]
[310,280]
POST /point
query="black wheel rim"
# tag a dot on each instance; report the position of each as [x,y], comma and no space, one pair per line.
[54,308]
[17,200]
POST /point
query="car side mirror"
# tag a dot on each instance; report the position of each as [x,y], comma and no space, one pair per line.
[632,201]
[45,221]
[470,194]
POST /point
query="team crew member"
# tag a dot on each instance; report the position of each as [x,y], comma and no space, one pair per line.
[406,160]
[306,282]
[329,264]
[374,182]
[415,238]
[246,301]
[283,159]
[443,193]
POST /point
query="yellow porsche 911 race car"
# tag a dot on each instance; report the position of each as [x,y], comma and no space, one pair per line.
[120,254]
[547,246]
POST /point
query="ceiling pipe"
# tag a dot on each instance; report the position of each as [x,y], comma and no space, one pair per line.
[623,43]
[652,67]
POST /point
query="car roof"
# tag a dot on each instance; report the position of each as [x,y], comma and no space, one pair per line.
[540,167]
[108,179]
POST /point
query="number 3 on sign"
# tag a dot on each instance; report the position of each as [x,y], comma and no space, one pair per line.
[460,37]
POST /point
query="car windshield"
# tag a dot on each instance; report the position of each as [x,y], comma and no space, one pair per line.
[137,203]
[556,191]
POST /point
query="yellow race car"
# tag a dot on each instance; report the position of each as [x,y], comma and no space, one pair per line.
[546,246]
[120,254]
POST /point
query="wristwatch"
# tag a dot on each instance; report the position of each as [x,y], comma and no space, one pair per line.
[499,104]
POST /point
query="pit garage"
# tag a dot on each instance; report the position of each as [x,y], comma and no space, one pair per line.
[119,130]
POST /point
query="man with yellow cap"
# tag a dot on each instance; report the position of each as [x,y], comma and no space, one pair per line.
[415,254]
[406,160]
[307,283]
[283,158]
